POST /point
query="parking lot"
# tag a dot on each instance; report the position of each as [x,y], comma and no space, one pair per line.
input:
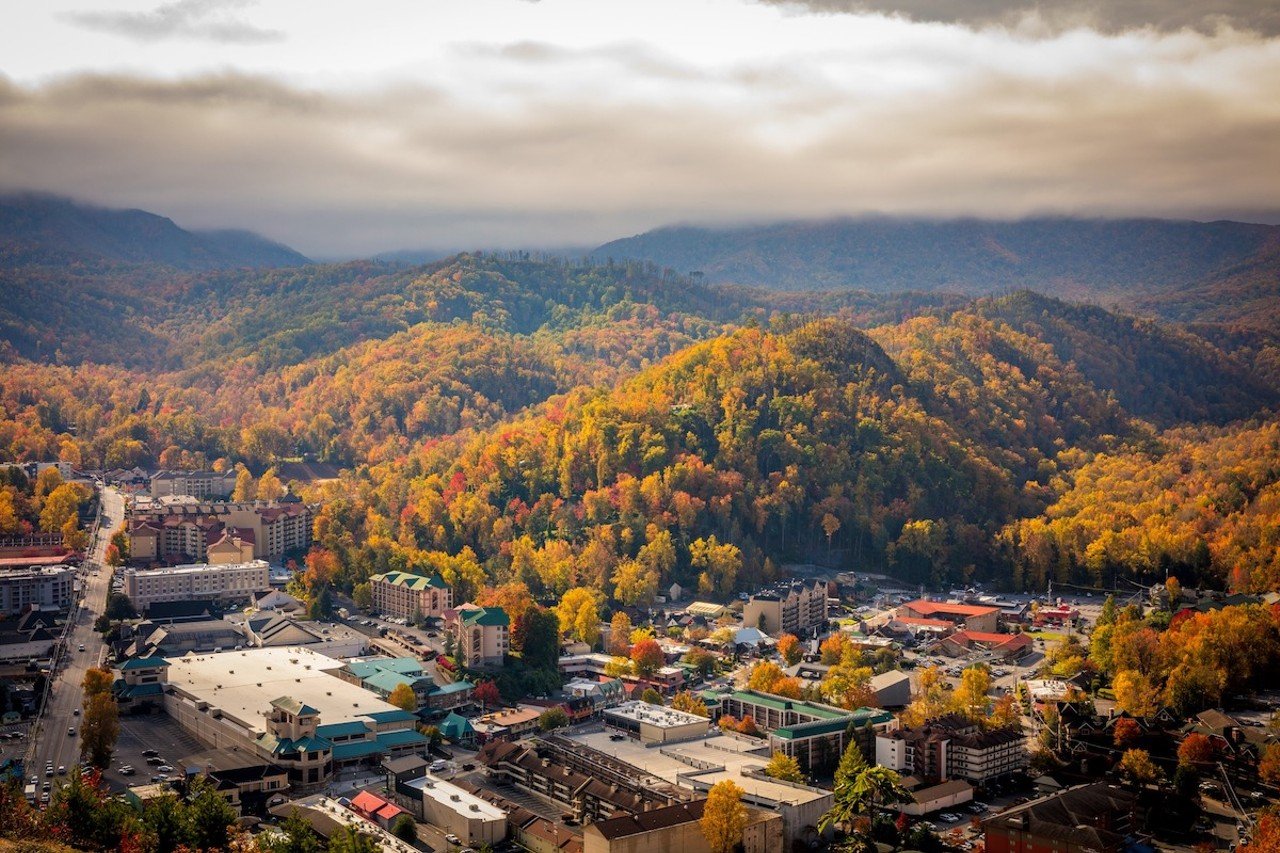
[149,732]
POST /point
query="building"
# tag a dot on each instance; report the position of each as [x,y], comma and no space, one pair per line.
[266,629]
[247,700]
[506,724]
[197,484]
[1002,646]
[944,795]
[668,679]
[585,783]
[677,828]
[1063,614]
[246,781]
[952,747]
[815,735]
[327,816]
[409,595]
[892,689]
[455,810]
[973,617]
[654,723]
[169,531]
[171,639]
[226,583]
[42,588]
[232,546]
[1096,818]
[795,607]
[481,634]
[381,676]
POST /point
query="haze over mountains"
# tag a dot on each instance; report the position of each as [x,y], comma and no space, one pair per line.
[42,229]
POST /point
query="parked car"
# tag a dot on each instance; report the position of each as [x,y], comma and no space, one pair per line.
[150,753]
[165,768]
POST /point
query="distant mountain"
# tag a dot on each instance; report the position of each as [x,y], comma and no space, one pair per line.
[1075,258]
[37,229]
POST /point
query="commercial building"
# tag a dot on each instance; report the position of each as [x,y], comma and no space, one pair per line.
[40,588]
[231,582]
[668,679]
[795,607]
[655,723]
[167,531]
[247,782]
[590,785]
[409,595]
[248,700]
[456,810]
[381,676]
[1096,818]
[326,816]
[506,724]
[481,634]
[815,735]
[197,484]
[952,747]
[973,617]
[677,828]
[1002,646]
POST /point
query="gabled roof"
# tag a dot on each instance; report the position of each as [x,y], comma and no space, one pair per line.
[485,616]
[412,581]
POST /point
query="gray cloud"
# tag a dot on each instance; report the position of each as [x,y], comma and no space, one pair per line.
[210,20]
[412,166]
[1109,16]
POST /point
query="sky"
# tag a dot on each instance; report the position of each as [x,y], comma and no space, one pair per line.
[345,128]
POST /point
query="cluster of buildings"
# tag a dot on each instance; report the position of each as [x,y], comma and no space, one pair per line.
[958,629]
[186,529]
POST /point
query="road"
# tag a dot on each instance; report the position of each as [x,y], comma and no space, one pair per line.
[50,742]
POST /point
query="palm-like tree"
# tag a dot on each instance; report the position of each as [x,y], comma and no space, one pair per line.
[871,788]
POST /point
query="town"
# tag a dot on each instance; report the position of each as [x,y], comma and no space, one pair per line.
[177,651]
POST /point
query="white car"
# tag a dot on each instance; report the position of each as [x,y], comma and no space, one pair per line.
[453,839]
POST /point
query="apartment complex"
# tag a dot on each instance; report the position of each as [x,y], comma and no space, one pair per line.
[197,484]
[230,582]
[481,634]
[952,747]
[410,595]
[39,587]
[793,607]
[979,618]
[184,531]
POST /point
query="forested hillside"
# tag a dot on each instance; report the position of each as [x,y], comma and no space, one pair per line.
[1068,257]
[620,426]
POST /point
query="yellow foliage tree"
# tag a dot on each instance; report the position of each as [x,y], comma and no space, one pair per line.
[724,817]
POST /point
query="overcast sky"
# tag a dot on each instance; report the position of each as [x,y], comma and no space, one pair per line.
[347,128]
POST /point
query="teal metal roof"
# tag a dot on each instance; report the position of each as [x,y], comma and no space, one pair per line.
[404,666]
[138,691]
[355,727]
[143,663]
[354,749]
[768,700]
[411,581]
[486,616]
[388,681]
[456,726]
[454,687]
[396,716]
[403,737]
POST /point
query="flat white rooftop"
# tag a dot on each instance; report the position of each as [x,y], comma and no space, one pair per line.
[654,715]
[452,797]
[718,750]
[196,568]
[243,684]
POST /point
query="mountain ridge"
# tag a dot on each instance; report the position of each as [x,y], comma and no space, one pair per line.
[41,229]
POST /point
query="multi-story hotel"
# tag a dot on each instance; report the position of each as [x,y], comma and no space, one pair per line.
[481,634]
[787,608]
[197,484]
[39,587]
[183,531]
[228,582]
[410,595]
[952,747]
